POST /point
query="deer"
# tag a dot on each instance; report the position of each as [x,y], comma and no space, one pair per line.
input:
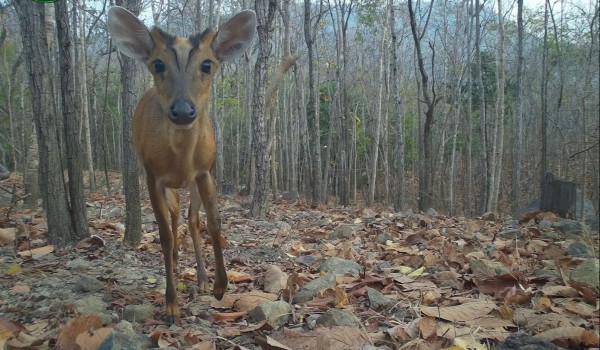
[173,135]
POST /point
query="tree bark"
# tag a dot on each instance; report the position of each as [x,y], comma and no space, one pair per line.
[35,47]
[518,118]
[265,11]
[131,184]
[71,124]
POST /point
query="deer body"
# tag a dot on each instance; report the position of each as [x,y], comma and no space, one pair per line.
[173,135]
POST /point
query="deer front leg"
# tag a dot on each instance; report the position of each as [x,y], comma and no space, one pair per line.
[167,242]
[208,193]
[194,227]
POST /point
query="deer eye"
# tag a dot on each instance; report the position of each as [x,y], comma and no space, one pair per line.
[159,66]
[206,66]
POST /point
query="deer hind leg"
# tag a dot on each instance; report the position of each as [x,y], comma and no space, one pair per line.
[161,212]
[194,227]
[173,205]
[208,193]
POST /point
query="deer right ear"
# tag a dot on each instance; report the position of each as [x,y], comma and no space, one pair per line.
[129,34]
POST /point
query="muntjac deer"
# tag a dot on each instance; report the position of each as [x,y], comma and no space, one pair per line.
[172,133]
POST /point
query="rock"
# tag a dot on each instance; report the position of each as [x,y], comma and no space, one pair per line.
[138,313]
[511,234]
[339,266]
[341,232]
[306,259]
[324,222]
[587,274]
[124,337]
[311,320]
[290,196]
[432,213]
[525,342]
[485,267]
[489,216]
[312,288]
[79,265]
[283,226]
[567,226]
[377,300]
[545,225]
[580,249]
[90,305]
[276,313]
[89,284]
[338,317]
[383,237]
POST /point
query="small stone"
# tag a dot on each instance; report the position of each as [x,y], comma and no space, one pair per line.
[580,249]
[283,226]
[432,213]
[311,320]
[324,222]
[525,342]
[587,274]
[138,313]
[377,300]
[383,237]
[545,225]
[124,337]
[341,232]
[569,226]
[79,265]
[276,313]
[340,266]
[489,216]
[89,284]
[486,267]
[90,305]
[511,234]
[338,317]
[312,288]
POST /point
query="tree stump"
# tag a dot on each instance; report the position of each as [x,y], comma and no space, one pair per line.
[558,197]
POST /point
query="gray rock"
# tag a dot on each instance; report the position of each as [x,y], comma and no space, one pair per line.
[487,266]
[432,213]
[276,313]
[545,225]
[340,266]
[338,317]
[580,249]
[587,274]
[79,265]
[589,211]
[90,305]
[312,288]
[525,342]
[324,222]
[341,232]
[567,226]
[124,337]
[138,313]
[489,216]
[383,237]
[377,300]
[283,226]
[511,234]
[311,320]
[89,284]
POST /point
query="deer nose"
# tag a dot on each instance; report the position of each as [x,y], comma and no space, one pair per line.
[182,112]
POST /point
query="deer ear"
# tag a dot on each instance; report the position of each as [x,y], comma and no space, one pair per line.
[235,36]
[129,34]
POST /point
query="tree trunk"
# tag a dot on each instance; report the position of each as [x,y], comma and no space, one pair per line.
[35,47]
[312,114]
[131,183]
[469,120]
[518,118]
[544,95]
[71,124]
[425,181]
[265,11]
[482,109]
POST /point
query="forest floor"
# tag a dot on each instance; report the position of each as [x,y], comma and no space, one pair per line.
[333,278]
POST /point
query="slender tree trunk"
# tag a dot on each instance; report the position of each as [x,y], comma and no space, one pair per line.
[35,48]
[518,118]
[131,183]
[377,131]
[544,98]
[71,125]
[265,11]
[401,193]
[425,181]
[312,113]
[469,119]
[482,109]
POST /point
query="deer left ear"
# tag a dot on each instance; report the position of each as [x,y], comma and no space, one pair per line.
[235,36]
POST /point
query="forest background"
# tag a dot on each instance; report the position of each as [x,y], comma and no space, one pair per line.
[463,106]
